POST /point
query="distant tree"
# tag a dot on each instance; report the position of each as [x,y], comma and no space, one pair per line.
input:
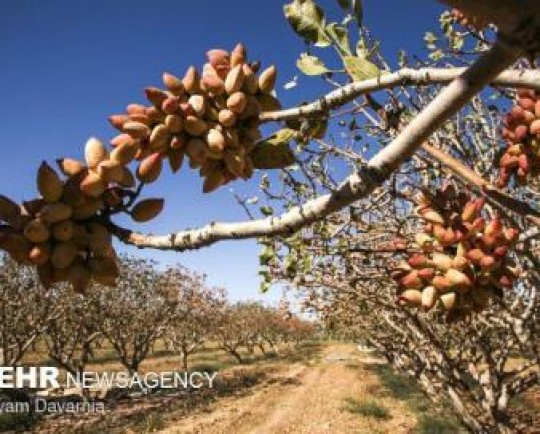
[233,329]
[193,318]
[134,313]
[417,210]
[250,325]
[72,335]
[298,330]
[26,310]
[256,319]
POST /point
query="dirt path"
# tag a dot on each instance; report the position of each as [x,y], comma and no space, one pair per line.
[305,398]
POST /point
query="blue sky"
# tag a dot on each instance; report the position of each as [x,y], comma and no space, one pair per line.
[65,66]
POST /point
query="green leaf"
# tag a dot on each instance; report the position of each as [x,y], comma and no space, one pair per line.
[430,39]
[291,265]
[436,55]
[267,210]
[267,255]
[307,20]
[311,65]
[361,48]
[307,264]
[403,60]
[283,135]
[446,21]
[274,152]
[360,68]
[314,128]
[265,287]
[340,35]
[457,43]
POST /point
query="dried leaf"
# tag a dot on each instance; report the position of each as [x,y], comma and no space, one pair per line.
[311,65]
[308,20]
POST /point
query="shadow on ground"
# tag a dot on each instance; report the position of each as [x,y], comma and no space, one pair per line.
[143,413]
[153,411]
[430,418]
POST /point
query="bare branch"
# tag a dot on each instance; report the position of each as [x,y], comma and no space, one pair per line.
[404,77]
[356,186]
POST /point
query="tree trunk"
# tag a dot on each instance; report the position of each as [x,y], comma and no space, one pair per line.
[133,368]
[237,356]
[184,361]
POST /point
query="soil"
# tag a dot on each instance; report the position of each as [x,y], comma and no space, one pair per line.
[306,397]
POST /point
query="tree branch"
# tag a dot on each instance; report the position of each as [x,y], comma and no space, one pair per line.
[404,77]
[357,186]
[492,193]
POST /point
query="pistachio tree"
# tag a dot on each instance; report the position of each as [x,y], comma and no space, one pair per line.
[438,269]
[71,336]
[132,315]
[25,311]
[194,316]
[213,117]
[422,175]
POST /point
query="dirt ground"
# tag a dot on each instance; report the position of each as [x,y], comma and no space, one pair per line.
[330,388]
[305,397]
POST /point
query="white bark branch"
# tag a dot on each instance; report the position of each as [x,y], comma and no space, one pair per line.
[404,77]
[357,186]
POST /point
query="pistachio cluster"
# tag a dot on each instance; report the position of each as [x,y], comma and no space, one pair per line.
[63,232]
[463,261]
[521,131]
[212,117]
